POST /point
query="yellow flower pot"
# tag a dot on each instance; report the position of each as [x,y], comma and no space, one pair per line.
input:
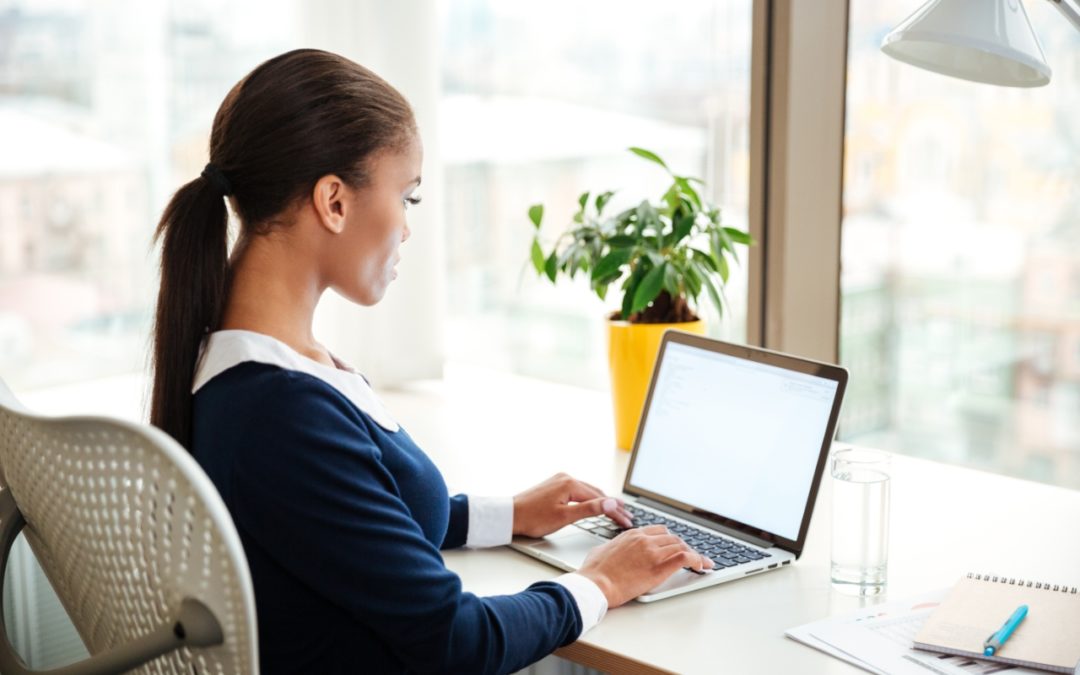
[632,349]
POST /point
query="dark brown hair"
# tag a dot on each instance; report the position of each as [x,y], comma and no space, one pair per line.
[291,121]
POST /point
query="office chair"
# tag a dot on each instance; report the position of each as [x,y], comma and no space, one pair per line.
[135,541]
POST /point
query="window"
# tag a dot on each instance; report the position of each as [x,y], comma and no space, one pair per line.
[104,111]
[961,238]
[540,102]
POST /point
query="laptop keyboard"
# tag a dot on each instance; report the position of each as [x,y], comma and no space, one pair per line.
[724,552]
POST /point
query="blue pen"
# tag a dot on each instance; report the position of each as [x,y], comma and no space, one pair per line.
[996,640]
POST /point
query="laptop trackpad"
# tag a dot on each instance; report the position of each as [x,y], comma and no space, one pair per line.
[569,547]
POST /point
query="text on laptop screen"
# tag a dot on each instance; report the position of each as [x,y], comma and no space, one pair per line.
[734,437]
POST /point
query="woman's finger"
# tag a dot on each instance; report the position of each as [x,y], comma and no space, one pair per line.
[666,540]
[682,559]
[584,509]
[593,487]
[612,510]
[582,492]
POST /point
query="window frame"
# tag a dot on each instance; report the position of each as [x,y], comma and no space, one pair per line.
[797,107]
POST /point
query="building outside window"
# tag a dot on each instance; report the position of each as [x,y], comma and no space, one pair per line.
[961,257]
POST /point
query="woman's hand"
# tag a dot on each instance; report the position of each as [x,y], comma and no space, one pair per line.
[561,500]
[638,560]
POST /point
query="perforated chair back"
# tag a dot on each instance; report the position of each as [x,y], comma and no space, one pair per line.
[135,540]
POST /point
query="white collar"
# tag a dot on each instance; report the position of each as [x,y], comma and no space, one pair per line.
[224,349]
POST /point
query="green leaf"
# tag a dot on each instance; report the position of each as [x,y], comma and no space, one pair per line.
[727,242]
[537,257]
[567,255]
[622,241]
[714,295]
[581,262]
[704,257]
[682,228]
[602,200]
[651,156]
[672,281]
[611,263]
[573,259]
[693,280]
[685,208]
[551,267]
[649,288]
[628,298]
[672,199]
[583,200]
[645,215]
[536,213]
[609,278]
[647,212]
[724,271]
[738,236]
[623,219]
[629,289]
[689,191]
[596,248]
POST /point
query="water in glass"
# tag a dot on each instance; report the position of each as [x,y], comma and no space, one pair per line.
[860,522]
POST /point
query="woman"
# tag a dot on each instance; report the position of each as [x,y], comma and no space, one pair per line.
[341,515]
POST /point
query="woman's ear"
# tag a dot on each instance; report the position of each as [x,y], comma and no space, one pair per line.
[330,198]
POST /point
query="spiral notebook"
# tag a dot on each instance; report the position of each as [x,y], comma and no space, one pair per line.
[1048,638]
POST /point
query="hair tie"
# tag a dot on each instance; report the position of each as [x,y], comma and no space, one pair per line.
[217,179]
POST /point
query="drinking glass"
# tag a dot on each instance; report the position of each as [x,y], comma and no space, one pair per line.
[860,520]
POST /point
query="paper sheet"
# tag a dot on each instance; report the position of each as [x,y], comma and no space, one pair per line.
[878,639]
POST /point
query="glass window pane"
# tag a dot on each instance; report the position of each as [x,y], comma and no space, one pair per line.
[540,102]
[961,257]
[105,109]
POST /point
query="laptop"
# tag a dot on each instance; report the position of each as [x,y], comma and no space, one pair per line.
[729,455]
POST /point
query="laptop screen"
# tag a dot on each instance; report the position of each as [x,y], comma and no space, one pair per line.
[734,437]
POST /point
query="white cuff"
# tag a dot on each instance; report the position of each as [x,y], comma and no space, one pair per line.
[591,601]
[491,521]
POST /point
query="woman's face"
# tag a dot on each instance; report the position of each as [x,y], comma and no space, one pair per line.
[364,257]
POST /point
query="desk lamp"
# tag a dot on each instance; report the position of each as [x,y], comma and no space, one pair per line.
[989,41]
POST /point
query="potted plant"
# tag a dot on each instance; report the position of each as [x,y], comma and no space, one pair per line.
[665,255]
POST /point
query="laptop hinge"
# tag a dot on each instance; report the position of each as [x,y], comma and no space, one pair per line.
[756,541]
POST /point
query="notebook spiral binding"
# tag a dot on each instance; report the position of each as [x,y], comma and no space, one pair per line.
[1060,588]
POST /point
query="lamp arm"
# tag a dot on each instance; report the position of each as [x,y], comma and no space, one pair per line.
[1068,11]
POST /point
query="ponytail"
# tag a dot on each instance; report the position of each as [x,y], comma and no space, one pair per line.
[194,239]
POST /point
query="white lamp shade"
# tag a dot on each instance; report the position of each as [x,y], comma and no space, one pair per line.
[989,41]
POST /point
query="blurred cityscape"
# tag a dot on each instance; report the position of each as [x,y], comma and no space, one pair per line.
[540,104]
[104,109]
[961,258]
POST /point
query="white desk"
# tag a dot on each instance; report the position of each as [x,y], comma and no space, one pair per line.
[494,434]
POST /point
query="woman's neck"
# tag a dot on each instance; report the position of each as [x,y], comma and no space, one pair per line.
[274,291]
